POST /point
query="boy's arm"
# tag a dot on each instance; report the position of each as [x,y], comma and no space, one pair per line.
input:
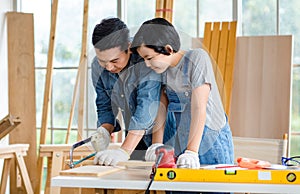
[190,158]
[198,116]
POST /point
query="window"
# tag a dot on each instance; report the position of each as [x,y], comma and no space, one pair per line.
[269,18]
[214,10]
[288,24]
[141,11]
[66,59]
[257,18]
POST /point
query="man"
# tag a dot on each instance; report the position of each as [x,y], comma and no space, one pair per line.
[123,84]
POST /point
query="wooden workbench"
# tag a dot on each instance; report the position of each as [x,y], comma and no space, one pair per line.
[138,179]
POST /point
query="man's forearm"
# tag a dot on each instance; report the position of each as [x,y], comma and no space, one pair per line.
[109,127]
[132,139]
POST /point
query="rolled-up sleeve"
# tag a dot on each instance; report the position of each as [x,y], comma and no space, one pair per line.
[103,100]
[148,100]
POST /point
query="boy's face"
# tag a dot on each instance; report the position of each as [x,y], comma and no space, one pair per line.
[113,60]
[156,61]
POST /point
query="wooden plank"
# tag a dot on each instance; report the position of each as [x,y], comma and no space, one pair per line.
[24,174]
[49,72]
[222,53]
[5,173]
[229,70]
[207,35]
[277,66]
[55,164]
[83,73]
[7,124]
[223,47]
[48,91]
[169,10]
[220,43]
[94,171]
[261,94]
[127,164]
[75,93]
[159,9]
[21,87]
[21,148]
[56,158]
[215,40]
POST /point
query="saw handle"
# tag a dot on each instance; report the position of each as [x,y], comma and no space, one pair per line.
[74,146]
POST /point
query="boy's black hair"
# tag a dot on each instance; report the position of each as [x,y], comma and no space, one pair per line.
[110,33]
[156,34]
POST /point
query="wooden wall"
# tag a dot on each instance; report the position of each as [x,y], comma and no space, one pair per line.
[21,84]
[261,94]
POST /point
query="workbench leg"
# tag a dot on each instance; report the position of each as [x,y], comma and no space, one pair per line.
[48,178]
[56,167]
[5,173]
[24,173]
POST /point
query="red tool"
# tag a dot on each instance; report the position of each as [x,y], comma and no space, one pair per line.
[165,157]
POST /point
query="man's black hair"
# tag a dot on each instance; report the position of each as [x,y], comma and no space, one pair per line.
[111,33]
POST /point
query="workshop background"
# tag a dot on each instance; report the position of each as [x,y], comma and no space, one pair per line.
[254,18]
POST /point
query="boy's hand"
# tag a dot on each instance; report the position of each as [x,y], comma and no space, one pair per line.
[188,159]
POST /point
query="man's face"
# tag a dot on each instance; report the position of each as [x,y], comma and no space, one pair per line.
[113,60]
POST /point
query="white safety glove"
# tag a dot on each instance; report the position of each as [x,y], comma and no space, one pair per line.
[111,157]
[100,139]
[188,159]
[150,153]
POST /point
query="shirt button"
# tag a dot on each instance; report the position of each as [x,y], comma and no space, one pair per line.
[122,95]
[186,93]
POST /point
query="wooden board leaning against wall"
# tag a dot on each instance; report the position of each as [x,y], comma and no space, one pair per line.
[261,93]
[21,88]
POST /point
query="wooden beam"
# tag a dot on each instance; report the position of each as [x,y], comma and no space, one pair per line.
[83,73]
[169,10]
[21,88]
[159,9]
[48,88]
[7,124]
[229,72]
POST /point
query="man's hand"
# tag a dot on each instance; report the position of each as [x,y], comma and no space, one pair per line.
[111,157]
[100,139]
[188,159]
[150,153]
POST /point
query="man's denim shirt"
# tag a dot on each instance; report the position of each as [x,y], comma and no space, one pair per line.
[135,91]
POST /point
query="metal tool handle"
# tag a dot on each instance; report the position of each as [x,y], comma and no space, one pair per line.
[74,146]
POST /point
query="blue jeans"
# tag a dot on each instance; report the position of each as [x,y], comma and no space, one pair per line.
[222,151]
